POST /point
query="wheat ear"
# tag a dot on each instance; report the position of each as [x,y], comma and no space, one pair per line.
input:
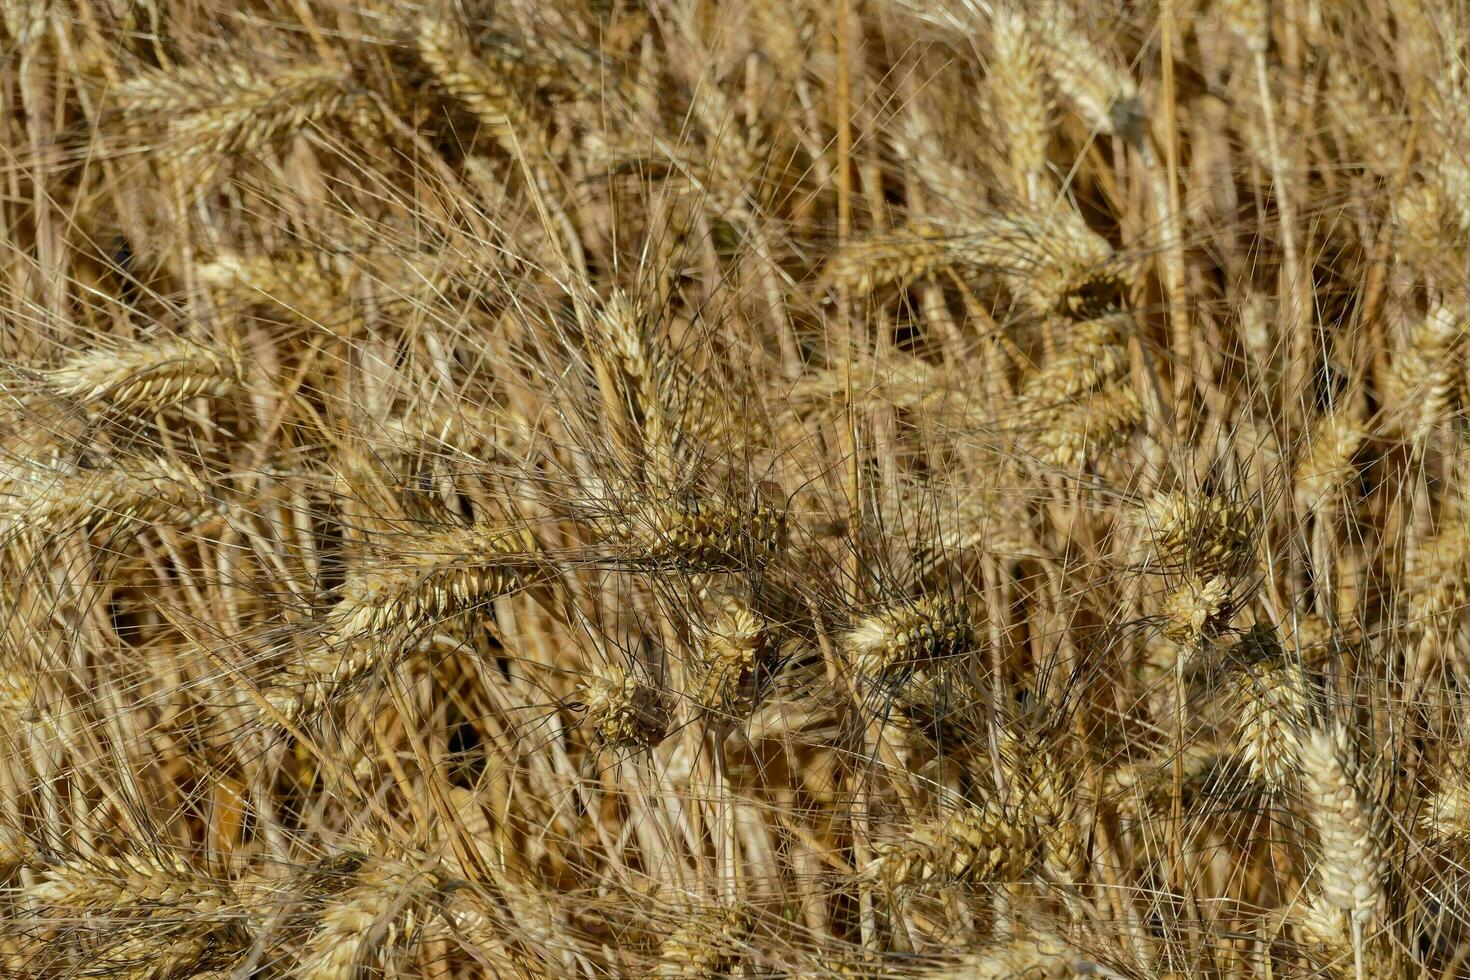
[1350,871]
[974,842]
[1016,90]
[148,377]
[381,910]
[489,94]
[899,637]
[627,711]
[707,944]
[57,502]
[418,580]
[1273,711]
[214,112]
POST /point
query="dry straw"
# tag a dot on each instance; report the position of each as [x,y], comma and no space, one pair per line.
[787,488]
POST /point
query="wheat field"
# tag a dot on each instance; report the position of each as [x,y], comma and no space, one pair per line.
[782,488]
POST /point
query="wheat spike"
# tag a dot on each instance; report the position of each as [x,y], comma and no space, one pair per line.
[1097,86]
[1134,788]
[150,376]
[1200,532]
[57,502]
[1077,435]
[944,179]
[680,531]
[487,93]
[1094,355]
[1082,434]
[899,637]
[1017,92]
[1327,466]
[385,600]
[1046,789]
[671,406]
[381,910]
[728,657]
[1350,871]
[1321,923]
[732,158]
[628,712]
[870,264]
[1422,378]
[620,341]
[418,580]
[976,842]
[1446,813]
[1197,608]
[296,282]
[1052,262]
[214,112]
[1274,709]
[102,884]
[309,680]
[1034,956]
[706,944]
[1436,581]
[1420,212]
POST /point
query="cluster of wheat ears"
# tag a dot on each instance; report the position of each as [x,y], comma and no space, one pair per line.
[780,488]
